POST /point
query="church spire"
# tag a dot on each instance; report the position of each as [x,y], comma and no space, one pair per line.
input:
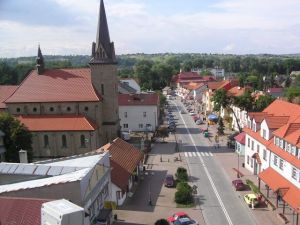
[103,50]
[40,65]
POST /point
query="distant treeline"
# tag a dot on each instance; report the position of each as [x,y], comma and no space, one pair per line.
[155,70]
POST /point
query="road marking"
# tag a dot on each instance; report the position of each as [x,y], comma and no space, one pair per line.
[198,154]
[194,154]
[207,172]
[211,154]
[202,153]
[206,153]
[185,154]
[190,154]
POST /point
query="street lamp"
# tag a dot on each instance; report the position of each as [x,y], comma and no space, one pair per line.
[149,187]
[238,158]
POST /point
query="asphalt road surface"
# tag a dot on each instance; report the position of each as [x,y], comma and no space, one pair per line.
[216,197]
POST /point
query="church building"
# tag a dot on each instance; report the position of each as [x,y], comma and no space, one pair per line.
[71,111]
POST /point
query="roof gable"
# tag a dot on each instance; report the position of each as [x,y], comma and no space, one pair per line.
[5,92]
[138,99]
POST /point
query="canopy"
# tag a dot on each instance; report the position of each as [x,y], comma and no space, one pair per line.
[212,117]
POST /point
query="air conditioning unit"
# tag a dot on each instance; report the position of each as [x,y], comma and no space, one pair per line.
[61,212]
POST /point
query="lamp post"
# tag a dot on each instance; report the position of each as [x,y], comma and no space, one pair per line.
[238,169]
[150,194]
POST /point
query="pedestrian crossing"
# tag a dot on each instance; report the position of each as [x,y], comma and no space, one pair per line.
[197,154]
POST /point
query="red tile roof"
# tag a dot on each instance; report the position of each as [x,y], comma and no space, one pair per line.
[138,99]
[56,85]
[290,132]
[215,85]
[275,122]
[283,108]
[256,136]
[125,157]
[57,123]
[20,211]
[275,90]
[240,138]
[5,92]
[278,183]
[237,91]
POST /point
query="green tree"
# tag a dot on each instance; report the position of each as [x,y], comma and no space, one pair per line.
[244,101]
[16,137]
[161,222]
[220,126]
[184,194]
[181,174]
[292,92]
[262,102]
[221,100]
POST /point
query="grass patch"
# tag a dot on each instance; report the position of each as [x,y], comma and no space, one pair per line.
[253,187]
[191,205]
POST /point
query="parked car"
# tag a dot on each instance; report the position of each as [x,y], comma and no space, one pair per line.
[184,221]
[177,215]
[238,185]
[192,113]
[199,121]
[169,181]
[251,199]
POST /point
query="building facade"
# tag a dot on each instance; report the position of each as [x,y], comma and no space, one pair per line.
[139,112]
[86,99]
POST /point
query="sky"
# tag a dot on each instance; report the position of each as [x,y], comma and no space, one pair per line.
[68,27]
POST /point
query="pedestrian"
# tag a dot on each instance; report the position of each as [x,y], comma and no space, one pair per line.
[252,203]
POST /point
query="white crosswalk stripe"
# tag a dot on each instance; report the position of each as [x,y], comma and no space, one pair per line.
[197,154]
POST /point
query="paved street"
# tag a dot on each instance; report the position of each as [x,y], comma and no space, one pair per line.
[219,203]
[209,168]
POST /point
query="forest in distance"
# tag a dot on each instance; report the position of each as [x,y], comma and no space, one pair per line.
[154,71]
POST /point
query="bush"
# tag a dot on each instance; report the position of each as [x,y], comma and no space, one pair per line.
[184,196]
[161,222]
[181,174]
[252,186]
[183,186]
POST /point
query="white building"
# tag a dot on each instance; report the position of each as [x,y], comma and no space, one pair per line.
[132,83]
[85,180]
[272,149]
[139,112]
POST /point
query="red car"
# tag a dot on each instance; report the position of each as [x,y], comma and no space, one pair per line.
[176,216]
[238,185]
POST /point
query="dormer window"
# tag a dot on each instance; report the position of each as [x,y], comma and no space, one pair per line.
[277,141]
[254,127]
[264,133]
[281,144]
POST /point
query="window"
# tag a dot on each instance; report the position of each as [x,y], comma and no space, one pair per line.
[288,147]
[281,164]
[248,159]
[252,145]
[82,141]
[254,127]
[51,109]
[264,134]
[68,109]
[64,141]
[277,141]
[249,142]
[252,163]
[86,108]
[18,110]
[275,160]
[125,125]
[46,141]
[281,143]
[257,148]
[34,109]
[140,125]
[265,154]
[144,114]
[102,89]
[294,173]
[125,114]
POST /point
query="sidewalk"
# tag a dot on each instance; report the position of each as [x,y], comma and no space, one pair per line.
[228,159]
[136,210]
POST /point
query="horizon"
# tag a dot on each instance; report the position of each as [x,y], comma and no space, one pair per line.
[251,27]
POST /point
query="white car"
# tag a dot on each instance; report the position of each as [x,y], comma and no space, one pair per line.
[192,113]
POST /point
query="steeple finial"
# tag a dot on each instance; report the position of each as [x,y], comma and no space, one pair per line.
[40,65]
[103,50]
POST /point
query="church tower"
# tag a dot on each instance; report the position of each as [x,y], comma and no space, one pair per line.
[103,66]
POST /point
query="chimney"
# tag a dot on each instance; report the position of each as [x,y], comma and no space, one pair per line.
[23,156]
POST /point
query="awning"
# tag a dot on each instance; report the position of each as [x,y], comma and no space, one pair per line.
[256,157]
[278,183]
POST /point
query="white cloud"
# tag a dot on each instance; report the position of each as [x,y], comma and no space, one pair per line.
[235,26]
